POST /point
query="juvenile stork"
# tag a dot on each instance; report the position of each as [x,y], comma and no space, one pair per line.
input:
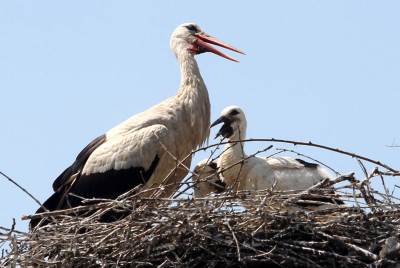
[256,173]
[148,147]
[206,179]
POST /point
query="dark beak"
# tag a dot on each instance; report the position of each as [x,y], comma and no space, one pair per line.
[220,120]
[226,130]
[203,41]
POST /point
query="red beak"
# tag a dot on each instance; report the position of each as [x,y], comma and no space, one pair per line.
[203,40]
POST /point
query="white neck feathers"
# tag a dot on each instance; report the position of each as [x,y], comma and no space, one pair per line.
[190,73]
[193,95]
[239,133]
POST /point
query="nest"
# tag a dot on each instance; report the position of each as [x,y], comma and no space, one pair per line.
[229,229]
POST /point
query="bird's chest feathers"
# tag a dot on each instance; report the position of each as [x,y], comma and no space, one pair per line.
[232,164]
[195,105]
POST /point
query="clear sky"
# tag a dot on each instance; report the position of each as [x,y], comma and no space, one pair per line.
[326,71]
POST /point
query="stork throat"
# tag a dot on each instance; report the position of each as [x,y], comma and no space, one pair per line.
[226,130]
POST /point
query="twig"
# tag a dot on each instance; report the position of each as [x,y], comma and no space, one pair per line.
[312,145]
[236,241]
[20,187]
[313,159]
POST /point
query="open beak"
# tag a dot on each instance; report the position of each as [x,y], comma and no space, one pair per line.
[226,129]
[220,120]
[204,41]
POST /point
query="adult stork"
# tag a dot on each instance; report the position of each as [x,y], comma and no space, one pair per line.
[241,172]
[149,147]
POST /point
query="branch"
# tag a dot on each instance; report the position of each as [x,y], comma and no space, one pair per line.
[311,144]
[20,187]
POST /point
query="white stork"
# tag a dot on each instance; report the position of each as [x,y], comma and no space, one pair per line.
[206,179]
[146,148]
[256,173]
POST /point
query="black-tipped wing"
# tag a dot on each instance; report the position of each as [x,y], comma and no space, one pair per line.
[109,184]
[306,164]
[77,166]
[107,168]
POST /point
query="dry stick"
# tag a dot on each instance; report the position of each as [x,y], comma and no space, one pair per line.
[393,174]
[363,168]
[67,211]
[307,191]
[106,204]
[297,143]
[237,182]
[313,159]
[235,239]
[110,243]
[179,162]
[317,251]
[154,218]
[241,162]
[12,230]
[384,195]
[186,180]
[229,245]
[388,196]
[272,155]
[20,187]
[312,145]
[365,187]
[221,142]
[244,159]
[362,251]
[24,190]
[198,150]
[355,196]
[347,243]
[326,183]
[393,146]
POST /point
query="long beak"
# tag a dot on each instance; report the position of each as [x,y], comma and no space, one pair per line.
[226,129]
[203,40]
[220,120]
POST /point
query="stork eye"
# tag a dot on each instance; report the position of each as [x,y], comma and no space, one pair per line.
[191,28]
[234,112]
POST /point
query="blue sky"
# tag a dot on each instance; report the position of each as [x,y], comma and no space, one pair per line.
[326,71]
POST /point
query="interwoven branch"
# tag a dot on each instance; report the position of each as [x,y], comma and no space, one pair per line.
[269,227]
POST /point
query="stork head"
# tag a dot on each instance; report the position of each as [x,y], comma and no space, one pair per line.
[189,37]
[234,123]
[207,179]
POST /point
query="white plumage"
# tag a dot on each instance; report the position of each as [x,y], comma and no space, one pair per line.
[256,173]
[146,148]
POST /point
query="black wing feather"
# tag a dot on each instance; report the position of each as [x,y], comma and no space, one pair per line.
[327,199]
[107,185]
[307,164]
[80,161]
